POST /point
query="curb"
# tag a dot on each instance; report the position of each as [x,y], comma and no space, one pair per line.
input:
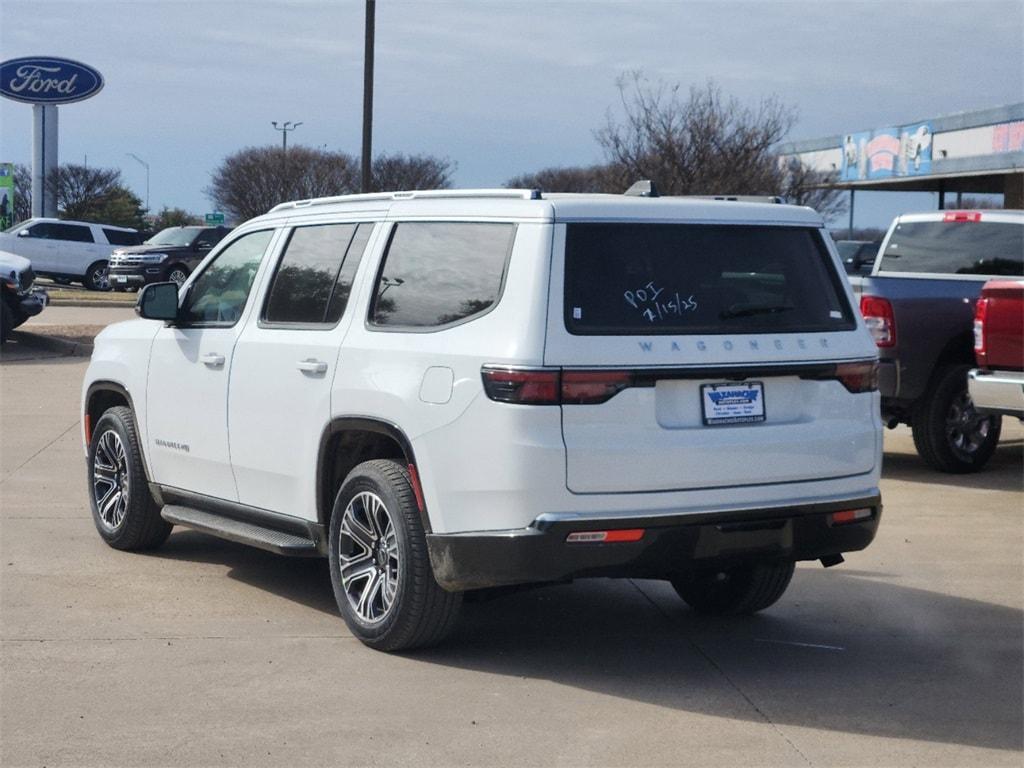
[91,303]
[64,347]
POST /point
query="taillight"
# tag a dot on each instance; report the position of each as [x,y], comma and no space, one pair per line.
[880,320]
[522,385]
[592,387]
[980,314]
[852,516]
[861,376]
[552,386]
[972,216]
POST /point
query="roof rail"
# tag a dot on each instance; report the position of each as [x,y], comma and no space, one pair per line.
[741,198]
[426,194]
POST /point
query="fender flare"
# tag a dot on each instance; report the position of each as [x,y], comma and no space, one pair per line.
[364,424]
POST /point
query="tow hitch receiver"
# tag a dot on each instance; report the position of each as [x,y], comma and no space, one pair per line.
[829,560]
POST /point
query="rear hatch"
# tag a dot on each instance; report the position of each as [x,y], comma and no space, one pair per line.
[697,356]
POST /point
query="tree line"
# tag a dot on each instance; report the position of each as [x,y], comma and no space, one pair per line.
[701,141]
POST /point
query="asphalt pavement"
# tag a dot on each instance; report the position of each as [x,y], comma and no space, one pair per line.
[209,653]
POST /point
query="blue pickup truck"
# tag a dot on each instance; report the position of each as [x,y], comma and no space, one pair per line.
[919,302]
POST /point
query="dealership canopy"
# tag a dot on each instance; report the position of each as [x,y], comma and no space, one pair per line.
[973,152]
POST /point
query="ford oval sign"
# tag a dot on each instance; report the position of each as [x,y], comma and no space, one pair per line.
[48,80]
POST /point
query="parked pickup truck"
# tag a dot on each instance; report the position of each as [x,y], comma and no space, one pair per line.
[997,384]
[919,303]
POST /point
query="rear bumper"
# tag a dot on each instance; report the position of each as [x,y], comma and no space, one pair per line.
[997,391]
[670,544]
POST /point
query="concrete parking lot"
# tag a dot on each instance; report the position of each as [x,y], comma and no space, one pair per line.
[209,653]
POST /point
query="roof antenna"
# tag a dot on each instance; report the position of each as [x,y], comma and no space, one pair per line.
[644,188]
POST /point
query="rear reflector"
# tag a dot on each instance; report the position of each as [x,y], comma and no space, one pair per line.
[417,489]
[962,216]
[880,320]
[605,537]
[851,516]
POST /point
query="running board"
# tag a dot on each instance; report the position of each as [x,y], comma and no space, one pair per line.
[242,532]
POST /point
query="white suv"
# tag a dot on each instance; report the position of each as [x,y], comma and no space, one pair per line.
[68,250]
[447,391]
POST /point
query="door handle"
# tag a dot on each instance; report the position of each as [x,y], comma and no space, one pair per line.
[311,365]
[212,359]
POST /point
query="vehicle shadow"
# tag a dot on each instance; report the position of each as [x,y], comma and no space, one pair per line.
[847,651]
[1002,473]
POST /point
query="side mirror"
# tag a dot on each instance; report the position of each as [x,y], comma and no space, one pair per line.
[24,233]
[204,246]
[158,301]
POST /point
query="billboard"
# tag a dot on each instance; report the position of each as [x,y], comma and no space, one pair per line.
[6,196]
[885,153]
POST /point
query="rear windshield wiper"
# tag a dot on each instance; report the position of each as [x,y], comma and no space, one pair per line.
[748,310]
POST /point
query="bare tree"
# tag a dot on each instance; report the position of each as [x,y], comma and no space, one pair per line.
[174,217]
[802,185]
[252,181]
[22,193]
[406,172]
[85,194]
[702,143]
[592,178]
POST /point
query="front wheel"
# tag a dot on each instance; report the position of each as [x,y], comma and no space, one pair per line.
[177,274]
[949,432]
[744,589]
[123,509]
[96,278]
[380,569]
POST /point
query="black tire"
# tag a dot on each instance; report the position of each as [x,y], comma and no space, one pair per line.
[745,589]
[135,524]
[949,434]
[420,613]
[6,320]
[174,271]
[95,278]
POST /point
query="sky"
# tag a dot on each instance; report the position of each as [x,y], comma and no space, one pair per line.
[500,88]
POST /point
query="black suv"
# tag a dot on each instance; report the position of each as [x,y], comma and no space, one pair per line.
[169,256]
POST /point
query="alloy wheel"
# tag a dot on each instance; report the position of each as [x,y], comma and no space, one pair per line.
[177,276]
[369,557]
[111,482]
[966,428]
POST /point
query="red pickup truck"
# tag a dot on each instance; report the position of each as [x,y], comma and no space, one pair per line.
[997,384]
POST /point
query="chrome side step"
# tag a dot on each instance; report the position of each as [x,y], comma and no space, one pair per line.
[242,531]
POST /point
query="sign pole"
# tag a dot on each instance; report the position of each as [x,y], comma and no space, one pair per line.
[44,159]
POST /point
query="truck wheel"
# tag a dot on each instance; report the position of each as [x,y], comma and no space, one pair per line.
[745,589]
[380,569]
[6,320]
[949,433]
[123,509]
[96,277]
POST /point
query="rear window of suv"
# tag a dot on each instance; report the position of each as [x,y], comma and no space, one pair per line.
[623,279]
[956,248]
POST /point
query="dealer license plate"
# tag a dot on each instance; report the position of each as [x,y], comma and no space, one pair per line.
[121,278]
[733,403]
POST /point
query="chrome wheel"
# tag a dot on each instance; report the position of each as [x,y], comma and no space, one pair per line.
[368,556]
[966,429]
[177,276]
[110,480]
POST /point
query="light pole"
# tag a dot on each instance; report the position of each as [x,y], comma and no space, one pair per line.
[367,176]
[284,128]
[146,166]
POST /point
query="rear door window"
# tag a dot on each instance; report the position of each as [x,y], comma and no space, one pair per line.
[623,279]
[956,248]
[117,237]
[440,273]
[314,276]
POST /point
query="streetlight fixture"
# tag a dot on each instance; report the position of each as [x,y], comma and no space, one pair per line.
[284,128]
[146,166]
